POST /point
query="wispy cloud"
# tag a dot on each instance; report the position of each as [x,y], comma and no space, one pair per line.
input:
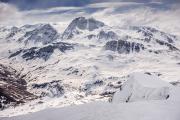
[42,4]
[9,14]
[159,15]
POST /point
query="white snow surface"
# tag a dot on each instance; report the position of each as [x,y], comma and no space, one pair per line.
[168,109]
[90,67]
[142,87]
[146,110]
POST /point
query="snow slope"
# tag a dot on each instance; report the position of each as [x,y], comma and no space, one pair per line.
[105,111]
[139,110]
[142,87]
[81,69]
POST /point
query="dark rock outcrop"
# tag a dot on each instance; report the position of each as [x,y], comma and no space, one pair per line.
[89,86]
[149,34]
[124,46]
[12,88]
[43,52]
[175,83]
[39,33]
[51,89]
[170,46]
[110,35]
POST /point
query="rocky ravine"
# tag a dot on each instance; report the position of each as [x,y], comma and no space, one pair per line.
[12,88]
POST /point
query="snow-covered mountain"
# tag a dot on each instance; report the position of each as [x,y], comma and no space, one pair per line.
[13,88]
[89,61]
[40,33]
[143,96]
[79,24]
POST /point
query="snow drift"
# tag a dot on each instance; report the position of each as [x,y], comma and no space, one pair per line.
[138,87]
[142,87]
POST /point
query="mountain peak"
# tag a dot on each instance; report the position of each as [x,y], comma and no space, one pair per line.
[81,23]
[38,33]
[87,23]
[44,33]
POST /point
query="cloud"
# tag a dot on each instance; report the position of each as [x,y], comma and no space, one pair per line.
[9,14]
[42,4]
[138,1]
[159,15]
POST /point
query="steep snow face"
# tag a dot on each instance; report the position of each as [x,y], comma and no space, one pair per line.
[79,24]
[43,34]
[142,87]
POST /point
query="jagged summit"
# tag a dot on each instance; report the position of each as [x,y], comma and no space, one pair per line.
[81,23]
[42,52]
[45,33]
[89,24]
[38,33]
[150,33]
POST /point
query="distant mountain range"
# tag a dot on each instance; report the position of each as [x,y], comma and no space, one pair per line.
[89,61]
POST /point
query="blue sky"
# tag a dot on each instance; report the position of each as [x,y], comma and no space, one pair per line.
[41,4]
[161,15]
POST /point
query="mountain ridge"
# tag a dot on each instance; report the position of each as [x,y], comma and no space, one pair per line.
[89,63]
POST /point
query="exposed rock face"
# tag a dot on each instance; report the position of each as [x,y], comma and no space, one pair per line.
[51,89]
[44,52]
[91,36]
[124,46]
[12,87]
[175,83]
[83,24]
[170,46]
[150,33]
[110,35]
[158,37]
[39,33]
[88,86]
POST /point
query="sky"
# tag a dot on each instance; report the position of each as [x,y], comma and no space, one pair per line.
[160,14]
[41,4]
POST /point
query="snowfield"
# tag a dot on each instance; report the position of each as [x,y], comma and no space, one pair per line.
[148,109]
[142,87]
[104,61]
[154,110]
